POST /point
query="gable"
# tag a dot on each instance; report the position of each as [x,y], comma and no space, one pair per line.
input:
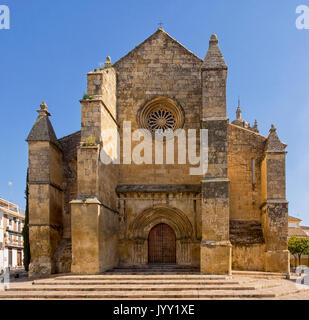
[159,40]
[159,66]
[162,68]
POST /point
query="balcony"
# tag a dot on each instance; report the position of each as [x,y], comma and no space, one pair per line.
[11,229]
[9,207]
[14,243]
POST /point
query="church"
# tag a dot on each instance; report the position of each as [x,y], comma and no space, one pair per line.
[87,216]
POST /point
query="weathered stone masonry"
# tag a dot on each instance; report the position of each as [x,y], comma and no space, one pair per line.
[87,217]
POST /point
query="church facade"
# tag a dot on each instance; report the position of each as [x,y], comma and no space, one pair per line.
[87,216]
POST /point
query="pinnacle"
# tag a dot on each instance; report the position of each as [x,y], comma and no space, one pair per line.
[272,129]
[238,113]
[214,58]
[214,39]
[42,129]
[273,143]
[43,111]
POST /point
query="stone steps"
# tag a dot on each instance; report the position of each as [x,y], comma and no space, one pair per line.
[183,294]
[134,282]
[158,287]
[260,274]
[142,277]
[174,287]
[156,266]
[167,269]
[152,273]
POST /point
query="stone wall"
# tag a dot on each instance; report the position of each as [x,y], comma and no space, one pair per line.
[44,240]
[245,197]
[38,155]
[63,254]
[248,258]
[275,205]
[248,243]
[102,85]
[140,211]
[69,145]
[85,236]
[108,239]
[108,173]
[45,205]
[160,66]
[94,213]
[257,194]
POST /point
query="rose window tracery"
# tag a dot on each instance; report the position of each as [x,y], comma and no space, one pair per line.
[161,119]
[160,114]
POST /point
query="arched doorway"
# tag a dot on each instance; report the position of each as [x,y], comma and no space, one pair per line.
[162,244]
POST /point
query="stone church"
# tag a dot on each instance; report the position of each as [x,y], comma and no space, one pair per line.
[86,216]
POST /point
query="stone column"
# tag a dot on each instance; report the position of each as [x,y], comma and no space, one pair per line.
[216,249]
[85,213]
[85,236]
[45,195]
[275,205]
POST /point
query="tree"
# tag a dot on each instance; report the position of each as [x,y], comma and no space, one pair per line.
[298,247]
[27,255]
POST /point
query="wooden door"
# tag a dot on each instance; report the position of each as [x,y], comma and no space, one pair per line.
[19,262]
[162,244]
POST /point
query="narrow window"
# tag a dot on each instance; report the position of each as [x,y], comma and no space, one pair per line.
[253,170]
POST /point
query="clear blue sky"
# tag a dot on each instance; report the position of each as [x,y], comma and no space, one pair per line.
[53,44]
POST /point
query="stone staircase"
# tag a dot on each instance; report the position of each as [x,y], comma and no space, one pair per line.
[133,287]
[148,286]
[153,269]
[156,282]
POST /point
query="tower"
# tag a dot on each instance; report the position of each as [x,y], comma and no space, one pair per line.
[275,205]
[45,194]
[216,249]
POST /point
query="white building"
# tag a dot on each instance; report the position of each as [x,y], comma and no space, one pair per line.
[295,230]
[306,229]
[11,239]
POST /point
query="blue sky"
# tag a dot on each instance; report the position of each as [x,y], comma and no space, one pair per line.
[53,44]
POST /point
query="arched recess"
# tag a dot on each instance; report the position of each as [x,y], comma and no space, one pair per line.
[144,222]
[139,229]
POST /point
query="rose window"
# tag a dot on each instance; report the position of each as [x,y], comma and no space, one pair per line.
[160,114]
[161,119]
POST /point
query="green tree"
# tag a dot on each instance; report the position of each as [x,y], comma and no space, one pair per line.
[27,255]
[298,247]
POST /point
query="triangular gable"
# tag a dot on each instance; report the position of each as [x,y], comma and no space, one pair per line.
[159,32]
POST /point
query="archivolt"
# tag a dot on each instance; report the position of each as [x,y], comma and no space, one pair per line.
[141,226]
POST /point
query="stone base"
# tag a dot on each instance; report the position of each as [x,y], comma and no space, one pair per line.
[84,269]
[44,240]
[277,261]
[216,257]
[63,257]
[85,236]
[39,270]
